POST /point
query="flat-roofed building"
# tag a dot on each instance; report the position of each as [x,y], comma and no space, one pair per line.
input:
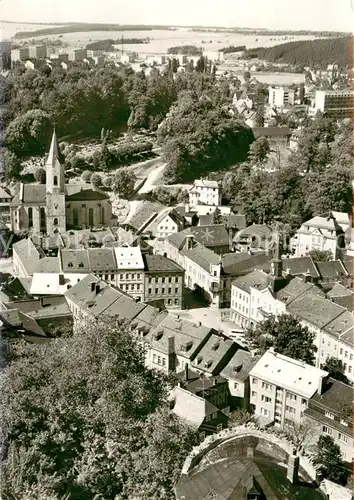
[337,104]
[281,388]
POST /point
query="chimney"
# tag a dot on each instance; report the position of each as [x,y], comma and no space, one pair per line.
[61,279]
[307,278]
[93,285]
[293,467]
[98,288]
[186,372]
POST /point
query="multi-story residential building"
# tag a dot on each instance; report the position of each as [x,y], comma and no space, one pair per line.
[214,355]
[255,238]
[38,52]
[236,372]
[331,412]
[277,136]
[337,104]
[281,96]
[166,223]
[163,281]
[78,55]
[198,411]
[319,233]
[205,192]
[5,201]
[332,325]
[24,53]
[130,271]
[281,388]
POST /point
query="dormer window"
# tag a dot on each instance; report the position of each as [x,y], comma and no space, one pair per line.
[81,264]
[208,364]
[70,264]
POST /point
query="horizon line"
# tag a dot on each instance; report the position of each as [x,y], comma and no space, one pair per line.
[67,23]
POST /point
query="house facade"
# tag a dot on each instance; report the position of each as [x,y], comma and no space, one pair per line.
[205,192]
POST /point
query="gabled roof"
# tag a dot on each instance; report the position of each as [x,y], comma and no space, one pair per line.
[206,183]
[202,256]
[87,195]
[129,258]
[209,236]
[75,261]
[338,290]
[158,263]
[28,254]
[271,132]
[21,322]
[332,269]
[316,310]
[177,239]
[300,265]
[48,265]
[239,366]
[5,194]
[191,407]
[44,308]
[101,259]
[213,353]
[295,288]
[256,279]
[238,263]
[256,230]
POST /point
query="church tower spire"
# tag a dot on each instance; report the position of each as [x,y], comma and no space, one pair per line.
[55,177]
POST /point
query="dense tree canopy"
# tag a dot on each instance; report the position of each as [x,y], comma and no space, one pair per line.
[86,419]
[286,335]
[199,136]
[329,456]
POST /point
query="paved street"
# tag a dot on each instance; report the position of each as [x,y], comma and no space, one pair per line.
[213,318]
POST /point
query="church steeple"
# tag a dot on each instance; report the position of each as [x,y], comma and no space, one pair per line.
[55,177]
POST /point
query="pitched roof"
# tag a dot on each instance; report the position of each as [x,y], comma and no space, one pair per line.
[256,279]
[46,307]
[327,226]
[146,211]
[332,269]
[213,353]
[238,263]
[101,259]
[4,194]
[336,396]
[338,290]
[239,366]
[300,265]
[54,152]
[341,324]
[209,236]
[191,407]
[48,265]
[235,221]
[255,230]
[158,263]
[75,261]
[28,254]
[271,132]
[177,239]
[202,256]
[206,183]
[17,319]
[87,195]
[295,288]
[315,309]
[129,258]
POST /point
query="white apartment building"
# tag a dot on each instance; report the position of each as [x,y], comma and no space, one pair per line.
[319,233]
[281,388]
[338,104]
[205,192]
[280,96]
[130,267]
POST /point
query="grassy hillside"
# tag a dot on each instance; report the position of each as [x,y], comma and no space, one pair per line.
[319,52]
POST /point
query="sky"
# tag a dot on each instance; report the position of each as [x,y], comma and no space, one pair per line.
[336,15]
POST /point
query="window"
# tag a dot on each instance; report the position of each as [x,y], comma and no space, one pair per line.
[328,414]
[138,276]
[201,436]
[159,360]
[55,222]
[267,387]
[265,412]
[150,280]
[254,394]
[150,291]
[304,401]
[266,399]
[346,354]
[30,217]
[351,356]
[133,276]
[350,369]
[235,385]
[163,280]
[156,291]
[343,422]
[207,418]
[163,361]
[292,397]
[327,430]
[215,414]
[112,277]
[254,381]
[341,352]
[121,276]
[176,302]
[170,290]
[55,180]
[169,302]
[126,288]
[342,437]
[90,217]
[290,410]
[154,358]
[170,280]
[176,289]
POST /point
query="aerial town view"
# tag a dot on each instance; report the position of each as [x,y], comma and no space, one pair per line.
[176,250]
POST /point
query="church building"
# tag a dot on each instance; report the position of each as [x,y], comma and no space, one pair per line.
[56,206]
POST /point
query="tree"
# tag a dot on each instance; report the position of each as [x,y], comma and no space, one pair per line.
[286,335]
[300,433]
[321,255]
[87,419]
[86,175]
[259,118]
[124,183]
[259,151]
[96,180]
[39,175]
[330,458]
[217,216]
[240,417]
[107,181]
[335,367]
[28,134]
[11,165]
